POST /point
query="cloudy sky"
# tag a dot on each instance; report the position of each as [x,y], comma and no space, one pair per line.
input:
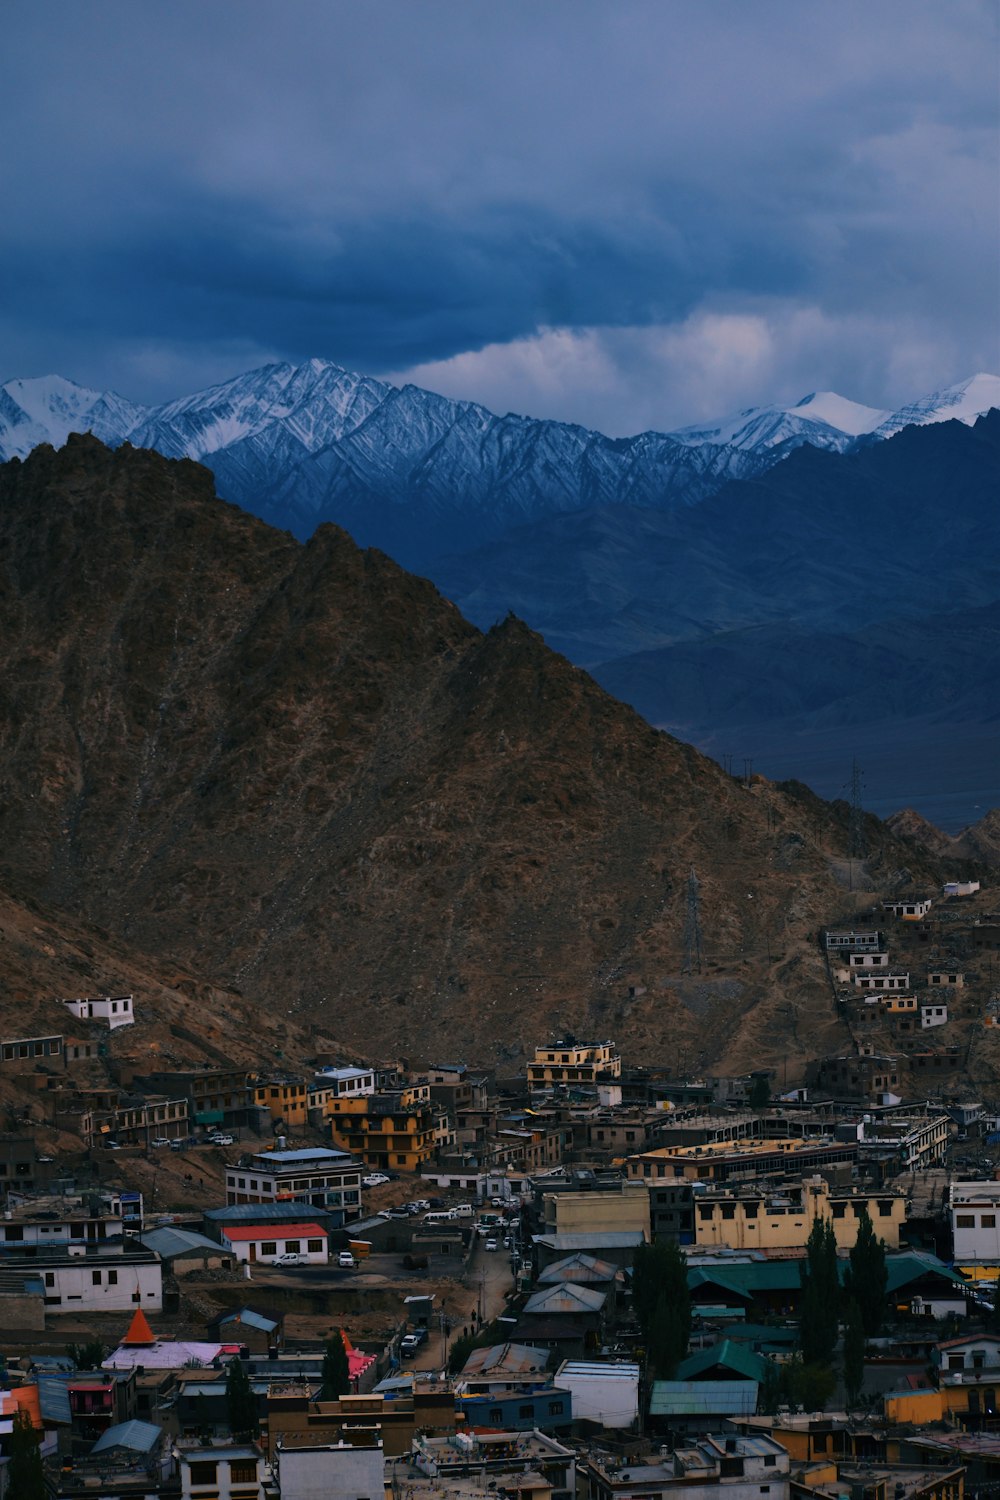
[628,213]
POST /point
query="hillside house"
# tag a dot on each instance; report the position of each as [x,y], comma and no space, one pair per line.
[860,942]
[911,909]
[24,1052]
[960,888]
[114,1010]
[933,1015]
[949,975]
[572,1063]
[881,979]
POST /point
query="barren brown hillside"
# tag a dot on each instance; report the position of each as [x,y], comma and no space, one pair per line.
[296,770]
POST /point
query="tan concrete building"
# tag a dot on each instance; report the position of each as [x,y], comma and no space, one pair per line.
[572,1063]
[749,1219]
[597,1212]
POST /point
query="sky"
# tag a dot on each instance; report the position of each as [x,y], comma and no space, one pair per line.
[625,213]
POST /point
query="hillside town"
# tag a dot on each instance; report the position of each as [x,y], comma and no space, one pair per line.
[593,1279]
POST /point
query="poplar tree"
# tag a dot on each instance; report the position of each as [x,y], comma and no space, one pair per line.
[241,1403]
[867,1276]
[854,1353]
[25,1473]
[818,1318]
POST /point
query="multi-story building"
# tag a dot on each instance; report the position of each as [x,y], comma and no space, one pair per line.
[740,1468]
[216,1096]
[142,1119]
[750,1219]
[394,1130]
[286,1099]
[324,1178]
[904,1140]
[865,1075]
[347,1083]
[750,1157]
[571,1064]
[867,941]
[93,1278]
[880,979]
[912,909]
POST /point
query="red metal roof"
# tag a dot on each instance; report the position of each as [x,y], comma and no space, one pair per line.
[278,1231]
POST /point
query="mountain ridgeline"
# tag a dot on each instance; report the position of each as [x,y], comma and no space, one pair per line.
[296,769]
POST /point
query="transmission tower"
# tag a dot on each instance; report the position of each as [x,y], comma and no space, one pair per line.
[692,928]
[856,832]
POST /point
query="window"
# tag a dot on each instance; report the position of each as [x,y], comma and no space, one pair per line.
[526,1411]
[269,1247]
[112,1278]
[314,1246]
[292,1247]
[243,1471]
[496,1415]
[988,1221]
[965,1221]
[203,1473]
[555,1408]
[50,1278]
[95,1277]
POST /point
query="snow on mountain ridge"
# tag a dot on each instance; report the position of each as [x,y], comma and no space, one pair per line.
[962,402]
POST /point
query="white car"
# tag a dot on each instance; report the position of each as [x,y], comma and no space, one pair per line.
[158,1140]
[221,1140]
[490,1245]
[374,1179]
[346,1261]
[290,1258]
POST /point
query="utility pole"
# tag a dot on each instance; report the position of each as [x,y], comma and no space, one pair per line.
[692,928]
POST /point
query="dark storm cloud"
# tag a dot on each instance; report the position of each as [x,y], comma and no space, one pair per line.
[771,192]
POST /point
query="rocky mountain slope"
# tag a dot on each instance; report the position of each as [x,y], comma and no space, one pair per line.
[298,770]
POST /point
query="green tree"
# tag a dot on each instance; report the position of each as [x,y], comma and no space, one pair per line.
[818,1320]
[335,1379]
[854,1353]
[241,1403]
[25,1474]
[660,1274]
[86,1356]
[760,1092]
[867,1277]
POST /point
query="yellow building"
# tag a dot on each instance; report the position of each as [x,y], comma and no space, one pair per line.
[394,1130]
[285,1099]
[782,1219]
[570,1063]
[898,1005]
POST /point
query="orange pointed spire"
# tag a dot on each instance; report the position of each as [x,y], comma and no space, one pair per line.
[139,1331]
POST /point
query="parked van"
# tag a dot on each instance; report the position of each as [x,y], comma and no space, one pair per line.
[462,1211]
[442,1218]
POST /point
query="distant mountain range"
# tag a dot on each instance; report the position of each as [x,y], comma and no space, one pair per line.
[782,566]
[421,476]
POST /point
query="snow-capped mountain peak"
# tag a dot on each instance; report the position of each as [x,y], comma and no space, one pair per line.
[836,411]
[963,402]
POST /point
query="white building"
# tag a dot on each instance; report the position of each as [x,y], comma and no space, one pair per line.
[347,1083]
[909,910]
[116,1010]
[320,1176]
[960,888]
[868,960]
[605,1393]
[881,979]
[975,1212]
[857,941]
[86,1281]
[265,1243]
[933,1015]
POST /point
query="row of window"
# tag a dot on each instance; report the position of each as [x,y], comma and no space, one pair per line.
[968,1221]
[292,1247]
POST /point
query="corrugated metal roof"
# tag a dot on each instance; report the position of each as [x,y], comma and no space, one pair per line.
[610,1239]
[514,1359]
[139,1437]
[565,1297]
[245,1232]
[731,1356]
[53,1398]
[579,1268]
[168,1242]
[703,1398]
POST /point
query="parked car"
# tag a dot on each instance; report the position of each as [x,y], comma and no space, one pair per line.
[374,1179]
[159,1140]
[218,1139]
[346,1261]
[491,1244]
[112,1146]
[290,1258]
[409,1345]
[177,1145]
